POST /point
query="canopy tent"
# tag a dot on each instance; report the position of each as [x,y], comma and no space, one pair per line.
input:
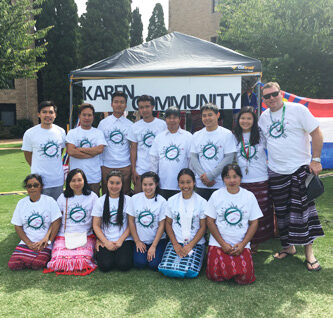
[176,69]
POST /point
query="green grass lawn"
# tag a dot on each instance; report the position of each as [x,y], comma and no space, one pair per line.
[283,288]
[18,145]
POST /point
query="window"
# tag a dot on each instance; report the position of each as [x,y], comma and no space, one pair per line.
[8,114]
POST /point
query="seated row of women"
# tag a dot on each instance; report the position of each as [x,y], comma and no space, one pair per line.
[116,231]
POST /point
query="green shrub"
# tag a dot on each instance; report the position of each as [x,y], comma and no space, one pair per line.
[21,126]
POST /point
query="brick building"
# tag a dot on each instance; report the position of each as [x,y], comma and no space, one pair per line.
[195,17]
[19,102]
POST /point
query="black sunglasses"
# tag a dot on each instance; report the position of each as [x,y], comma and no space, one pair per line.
[268,96]
[33,185]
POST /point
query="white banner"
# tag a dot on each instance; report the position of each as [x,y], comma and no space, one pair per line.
[187,93]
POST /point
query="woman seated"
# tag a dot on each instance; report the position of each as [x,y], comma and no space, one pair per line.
[37,219]
[73,249]
[232,219]
[146,221]
[114,247]
[185,225]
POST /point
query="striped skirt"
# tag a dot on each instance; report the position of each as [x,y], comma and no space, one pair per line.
[78,261]
[265,229]
[297,218]
[186,267]
[221,266]
[23,257]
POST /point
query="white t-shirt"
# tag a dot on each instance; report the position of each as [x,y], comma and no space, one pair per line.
[173,151]
[256,166]
[79,208]
[117,152]
[36,217]
[212,146]
[46,145]
[87,138]
[232,213]
[113,231]
[288,148]
[148,213]
[172,211]
[144,134]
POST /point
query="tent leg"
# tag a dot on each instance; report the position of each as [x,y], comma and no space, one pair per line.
[70,105]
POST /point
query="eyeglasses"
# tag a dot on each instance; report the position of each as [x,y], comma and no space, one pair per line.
[268,96]
[33,185]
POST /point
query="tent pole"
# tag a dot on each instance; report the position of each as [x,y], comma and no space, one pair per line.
[70,103]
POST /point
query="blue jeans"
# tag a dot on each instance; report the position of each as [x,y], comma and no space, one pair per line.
[140,259]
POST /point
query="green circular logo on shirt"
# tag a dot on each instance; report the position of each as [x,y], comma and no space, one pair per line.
[146,218]
[85,143]
[77,214]
[35,221]
[252,151]
[116,136]
[233,215]
[177,219]
[276,130]
[148,139]
[209,151]
[172,152]
[50,149]
[113,217]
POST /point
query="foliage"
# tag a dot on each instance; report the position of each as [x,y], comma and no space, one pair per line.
[18,55]
[62,53]
[156,27]
[136,28]
[292,38]
[21,126]
[104,29]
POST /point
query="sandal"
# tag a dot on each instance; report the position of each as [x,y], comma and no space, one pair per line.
[283,253]
[317,269]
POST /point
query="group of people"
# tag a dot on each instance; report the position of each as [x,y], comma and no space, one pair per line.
[183,184]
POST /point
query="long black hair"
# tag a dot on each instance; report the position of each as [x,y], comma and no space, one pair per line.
[106,209]
[156,178]
[255,131]
[68,193]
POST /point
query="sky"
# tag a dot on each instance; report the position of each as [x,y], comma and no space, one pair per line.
[145,7]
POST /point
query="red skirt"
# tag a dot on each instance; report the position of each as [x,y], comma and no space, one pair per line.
[221,266]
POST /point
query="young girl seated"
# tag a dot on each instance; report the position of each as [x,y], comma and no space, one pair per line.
[74,255]
[232,219]
[185,226]
[37,220]
[114,247]
[146,221]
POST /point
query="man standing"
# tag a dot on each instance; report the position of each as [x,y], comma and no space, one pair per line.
[141,137]
[116,155]
[287,127]
[213,147]
[84,145]
[170,153]
[42,146]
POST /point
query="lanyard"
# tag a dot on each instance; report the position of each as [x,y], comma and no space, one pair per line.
[246,150]
[282,119]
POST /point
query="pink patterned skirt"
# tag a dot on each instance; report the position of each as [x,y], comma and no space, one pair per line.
[78,261]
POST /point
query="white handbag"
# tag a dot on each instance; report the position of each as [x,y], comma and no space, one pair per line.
[76,239]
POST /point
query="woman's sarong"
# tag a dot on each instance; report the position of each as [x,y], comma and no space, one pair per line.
[265,229]
[78,261]
[24,257]
[173,265]
[221,266]
[297,218]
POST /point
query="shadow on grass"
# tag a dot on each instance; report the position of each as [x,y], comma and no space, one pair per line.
[278,290]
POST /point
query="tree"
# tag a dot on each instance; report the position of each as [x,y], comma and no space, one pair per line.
[62,53]
[18,54]
[136,28]
[104,29]
[156,26]
[292,38]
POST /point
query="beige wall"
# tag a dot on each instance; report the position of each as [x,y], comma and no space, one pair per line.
[194,17]
[24,96]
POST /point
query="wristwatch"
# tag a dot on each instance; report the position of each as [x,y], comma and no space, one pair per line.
[317,159]
[49,242]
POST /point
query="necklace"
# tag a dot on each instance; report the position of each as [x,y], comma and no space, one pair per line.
[247,153]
